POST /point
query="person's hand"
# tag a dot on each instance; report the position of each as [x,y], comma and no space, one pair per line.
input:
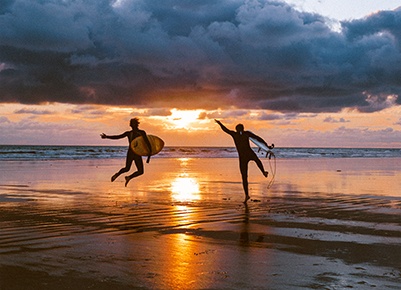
[103,136]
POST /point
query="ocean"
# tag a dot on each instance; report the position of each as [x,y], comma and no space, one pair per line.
[32,153]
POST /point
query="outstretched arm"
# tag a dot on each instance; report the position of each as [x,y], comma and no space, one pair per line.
[104,136]
[260,139]
[224,128]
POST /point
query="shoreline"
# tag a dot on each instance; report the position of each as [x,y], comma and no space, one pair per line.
[28,153]
[182,225]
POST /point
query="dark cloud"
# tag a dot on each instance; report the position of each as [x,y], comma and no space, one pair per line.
[196,54]
[334,120]
[228,114]
[33,111]
[5,6]
[4,120]
[156,112]
[88,111]
[274,117]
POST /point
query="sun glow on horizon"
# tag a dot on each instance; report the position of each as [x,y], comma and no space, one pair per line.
[69,124]
[183,119]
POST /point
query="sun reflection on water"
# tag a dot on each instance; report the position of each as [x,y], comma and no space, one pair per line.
[185,189]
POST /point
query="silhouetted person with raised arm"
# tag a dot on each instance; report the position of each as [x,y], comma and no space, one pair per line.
[131,156]
[245,152]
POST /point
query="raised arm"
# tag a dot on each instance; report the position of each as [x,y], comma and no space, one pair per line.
[224,128]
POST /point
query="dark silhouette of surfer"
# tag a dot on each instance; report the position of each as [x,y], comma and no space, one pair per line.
[131,156]
[245,152]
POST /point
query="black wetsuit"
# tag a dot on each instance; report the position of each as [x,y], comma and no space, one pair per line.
[245,152]
[131,156]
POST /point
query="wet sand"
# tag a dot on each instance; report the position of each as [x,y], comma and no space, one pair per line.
[324,224]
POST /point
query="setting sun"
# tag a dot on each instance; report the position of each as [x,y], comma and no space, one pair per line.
[181,119]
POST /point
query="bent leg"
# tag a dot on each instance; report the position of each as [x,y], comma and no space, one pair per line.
[128,163]
[139,166]
[260,166]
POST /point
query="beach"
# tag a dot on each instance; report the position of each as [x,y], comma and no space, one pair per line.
[329,223]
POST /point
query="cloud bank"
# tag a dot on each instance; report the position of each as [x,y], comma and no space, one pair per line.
[197,54]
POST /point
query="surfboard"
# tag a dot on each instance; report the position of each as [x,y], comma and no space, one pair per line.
[269,154]
[261,145]
[138,145]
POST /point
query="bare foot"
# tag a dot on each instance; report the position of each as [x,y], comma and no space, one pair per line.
[114,177]
[246,198]
[127,179]
[265,173]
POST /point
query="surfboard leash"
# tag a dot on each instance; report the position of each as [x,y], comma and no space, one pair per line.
[271,155]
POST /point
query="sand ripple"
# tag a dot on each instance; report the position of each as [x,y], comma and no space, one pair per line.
[153,235]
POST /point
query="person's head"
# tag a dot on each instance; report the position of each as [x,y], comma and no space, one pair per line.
[134,123]
[239,128]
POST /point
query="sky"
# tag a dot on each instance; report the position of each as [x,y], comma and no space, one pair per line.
[297,73]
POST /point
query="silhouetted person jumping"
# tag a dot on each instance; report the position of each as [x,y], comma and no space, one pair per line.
[245,152]
[131,156]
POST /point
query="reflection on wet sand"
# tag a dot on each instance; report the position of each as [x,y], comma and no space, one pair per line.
[180,270]
[244,232]
[182,225]
[183,272]
[185,189]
